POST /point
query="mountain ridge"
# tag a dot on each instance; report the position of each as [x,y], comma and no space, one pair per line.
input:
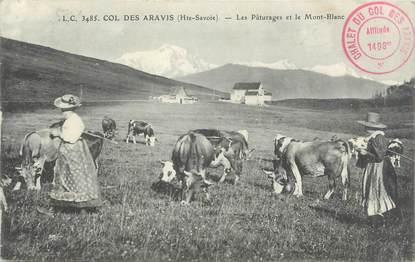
[36,72]
[288,83]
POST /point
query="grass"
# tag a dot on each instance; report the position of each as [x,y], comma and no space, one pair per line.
[244,222]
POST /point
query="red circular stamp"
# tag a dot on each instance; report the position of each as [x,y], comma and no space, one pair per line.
[378,37]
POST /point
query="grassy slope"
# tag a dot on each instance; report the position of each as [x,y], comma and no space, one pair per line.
[36,73]
[244,222]
[286,83]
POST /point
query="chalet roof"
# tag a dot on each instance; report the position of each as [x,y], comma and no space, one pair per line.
[179,91]
[246,85]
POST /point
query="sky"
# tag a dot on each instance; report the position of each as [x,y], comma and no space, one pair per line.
[304,43]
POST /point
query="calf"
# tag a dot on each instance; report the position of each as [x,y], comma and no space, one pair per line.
[316,158]
[135,128]
[191,155]
[109,127]
[232,144]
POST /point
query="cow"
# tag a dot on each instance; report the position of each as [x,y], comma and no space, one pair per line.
[135,128]
[232,144]
[395,149]
[109,127]
[316,158]
[39,147]
[191,155]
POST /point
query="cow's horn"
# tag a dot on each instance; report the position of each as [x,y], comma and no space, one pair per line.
[267,172]
[207,182]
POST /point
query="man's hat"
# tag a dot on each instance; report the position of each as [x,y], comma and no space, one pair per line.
[67,101]
[372,121]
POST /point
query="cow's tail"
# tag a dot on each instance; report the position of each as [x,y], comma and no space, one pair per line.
[194,153]
[22,146]
[25,151]
[345,158]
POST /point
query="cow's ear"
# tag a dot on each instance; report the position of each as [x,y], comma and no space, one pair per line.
[163,163]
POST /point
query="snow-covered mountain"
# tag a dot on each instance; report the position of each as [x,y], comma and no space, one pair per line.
[175,62]
[279,65]
[168,61]
[339,69]
[392,82]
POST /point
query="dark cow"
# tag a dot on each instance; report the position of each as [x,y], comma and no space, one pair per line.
[234,146]
[109,127]
[191,155]
[135,128]
[316,158]
[39,147]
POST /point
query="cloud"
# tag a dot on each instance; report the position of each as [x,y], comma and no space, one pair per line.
[15,12]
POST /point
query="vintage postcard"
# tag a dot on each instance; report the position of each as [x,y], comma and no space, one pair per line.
[234,130]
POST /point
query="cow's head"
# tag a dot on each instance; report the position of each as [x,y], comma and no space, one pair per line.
[194,183]
[395,149]
[131,127]
[244,133]
[356,143]
[280,144]
[28,173]
[150,137]
[279,180]
[221,159]
[168,172]
[150,140]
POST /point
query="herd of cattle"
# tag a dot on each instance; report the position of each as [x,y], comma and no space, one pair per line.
[199,149]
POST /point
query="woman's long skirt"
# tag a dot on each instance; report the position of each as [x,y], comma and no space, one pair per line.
[76,183]
[379,188]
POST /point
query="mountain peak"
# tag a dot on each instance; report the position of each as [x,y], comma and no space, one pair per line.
[168,60]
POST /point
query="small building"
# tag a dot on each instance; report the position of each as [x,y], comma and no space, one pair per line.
[178,95]
[250,93]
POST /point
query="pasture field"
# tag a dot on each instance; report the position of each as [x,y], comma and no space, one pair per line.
[243,222]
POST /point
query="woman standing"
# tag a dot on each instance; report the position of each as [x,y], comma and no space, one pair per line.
[76,184]
[379,178]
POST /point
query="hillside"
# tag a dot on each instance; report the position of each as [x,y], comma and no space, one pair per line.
[37,73]
[286,84]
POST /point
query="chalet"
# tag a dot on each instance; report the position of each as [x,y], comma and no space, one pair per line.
[250,93]
[178,95]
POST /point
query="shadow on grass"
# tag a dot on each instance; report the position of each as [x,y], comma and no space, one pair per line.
[167,189]
[339,216]
[262,186]
[130,142]
[230,179]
